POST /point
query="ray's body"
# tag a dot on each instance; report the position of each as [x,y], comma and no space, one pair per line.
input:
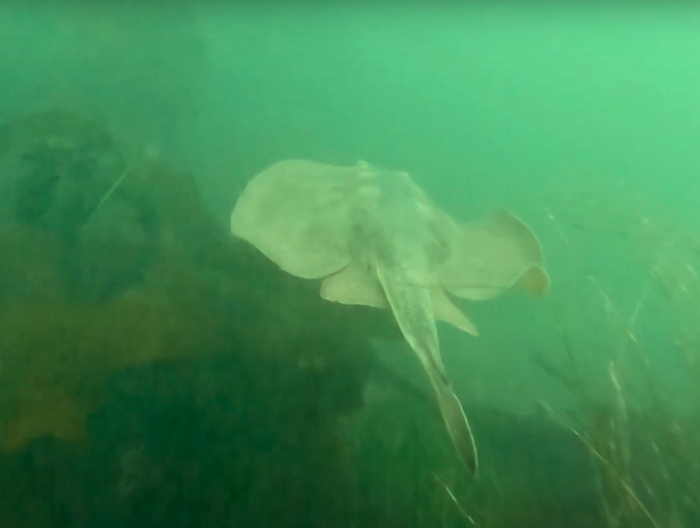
[389,239]
[376,239]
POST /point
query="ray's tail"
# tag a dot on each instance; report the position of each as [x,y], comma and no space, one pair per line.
[455,421]
[412,308]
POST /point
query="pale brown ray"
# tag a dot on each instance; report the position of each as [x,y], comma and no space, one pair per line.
[376,239]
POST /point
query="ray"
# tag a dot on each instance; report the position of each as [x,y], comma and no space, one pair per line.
[375,238]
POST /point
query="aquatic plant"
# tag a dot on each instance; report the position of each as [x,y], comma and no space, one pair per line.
[625,455]
[638,437]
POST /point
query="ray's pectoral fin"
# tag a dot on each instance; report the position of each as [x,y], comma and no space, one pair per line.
[491,256]
[534,281]
[354,285]
[298,214]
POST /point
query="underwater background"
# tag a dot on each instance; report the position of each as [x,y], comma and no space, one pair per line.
[156,372]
